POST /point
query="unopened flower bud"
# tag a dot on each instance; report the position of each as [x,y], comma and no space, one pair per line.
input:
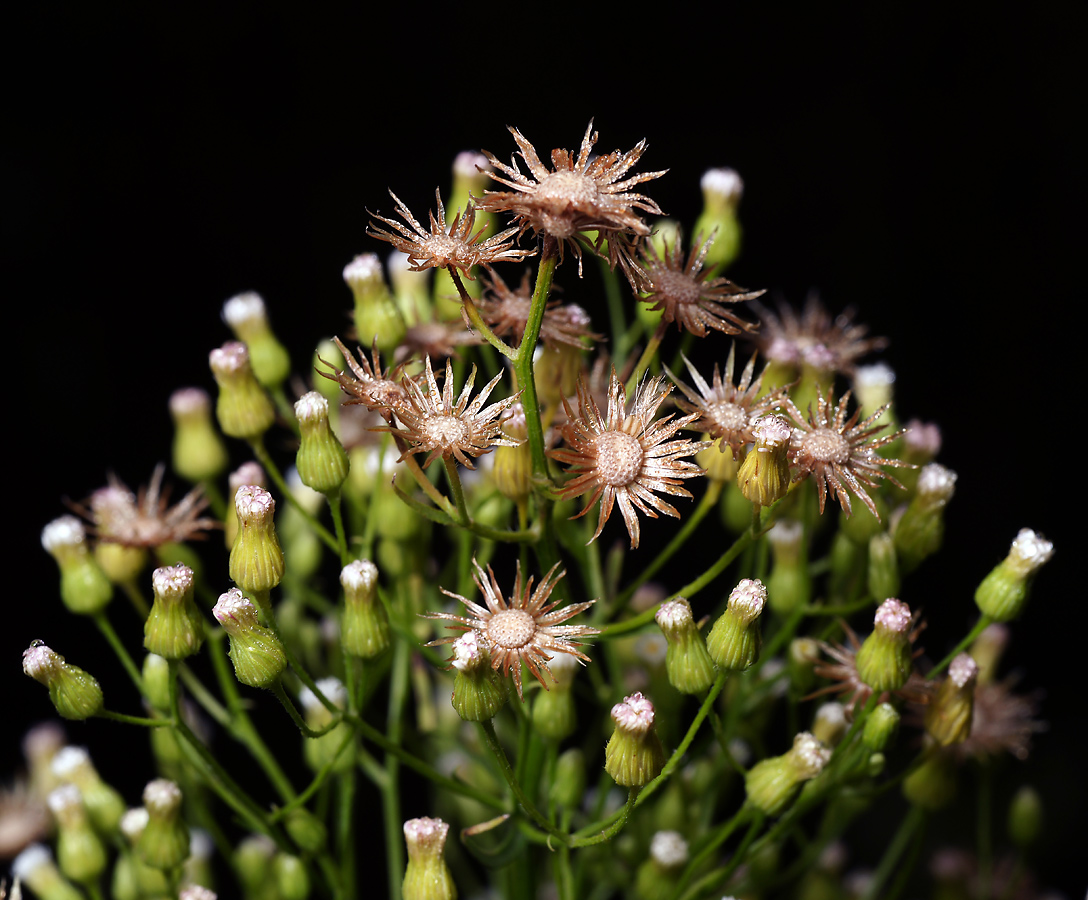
[949,713]
[306,829]
[554,716]
[80,852]
[687,661]
[774,783]
[164,843]
[513,468]
[803,655]
[243,409]
[1025,817]
[717,459]
[197,892]
[634,755]
[84,587]
[248,473]
[568,788]
[35,868]
[377,317]
[880,728]
[174,628]
[764,475]
[256,652]
[920,529]
[789,585]
[256,560]
[884,659]
[658,877]
[104,805]
[722,191]
[932,786]
[75,694]
[253,863]
[988,649]
[247,317]
[290,876]
[478,692]
[735,640]
[199,453]
[883,576]
[321,461]
[320,750]
[364,628]
[830,723]
[427,876]
[1003,592]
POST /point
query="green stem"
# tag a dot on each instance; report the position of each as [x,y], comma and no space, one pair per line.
[980,626]
[269,464]
[487,729]
[647,357]
[119,649]
[523,362]
[277,690]
[458,492]
[474,317]
[611,830]
[133,720]
[136,599]
[718,837]
[334,500]
[911,822]
[390,790]
[314,786]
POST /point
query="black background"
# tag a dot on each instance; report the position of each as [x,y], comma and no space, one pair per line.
[918,166]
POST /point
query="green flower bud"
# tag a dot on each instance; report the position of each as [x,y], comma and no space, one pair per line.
[920,530]
[198,892]
[1025,817]
[789,584]
[120,564]
[84,587]
[321,460]
[569,787]
[427,876]
[156,681]
[199,453]
[722,190]
[104,805]
[862,525]
[634,755]
[41,744]
[319,751]
[884,659]
[256,652]
[80,852]
[803,655]
[1003,592]
[164,843]
[174,628]
[988,649]
[35,868]
[249,473]
[687,662]
[658,877]
[377,318]
[717,459]
[247,317]
[773,784]
[306,829]
[256,560]
[932,785]
[949,713]
[513,468]
[243,409]
[364,628]
[874,389]
[478,692]
[554,715]
[764,475]
[735,640]
[883,566]
[880,728]
[556,368]
[75,694]
[829,725]
[136,876]
[291,877]
[253,864]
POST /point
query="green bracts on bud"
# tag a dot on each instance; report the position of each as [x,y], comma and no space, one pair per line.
[1025,817]
[364,627]
[634,755]
[306,829]
[80,852]
[554,715]
[478,692]
[883,580]
[243,408]
[104,805]
[256,652]
[377,317]
[884,659]
[164,843]
[290,877]
[569,787]
[789,585]
[920,530]
[247,317]
[773,784]
[256,560]
[321,461]
[75,694]
[735,640]
[427,877]
[1004,592]
[199,453]
[764,475]
[687,661]
[932,786]
[174,628]
[722,190]
[513,468]
[84,587]
[949,713]
[319,751]
[880,728]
